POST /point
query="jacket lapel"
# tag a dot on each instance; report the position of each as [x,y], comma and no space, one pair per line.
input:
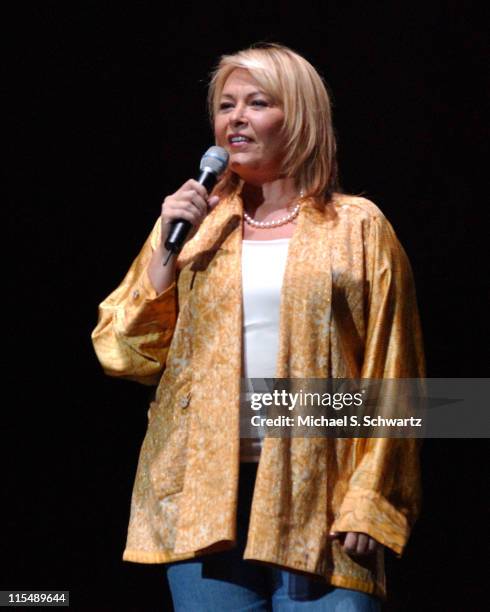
[306,299]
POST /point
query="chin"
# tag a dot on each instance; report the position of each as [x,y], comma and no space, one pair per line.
[241,160]
[238,167]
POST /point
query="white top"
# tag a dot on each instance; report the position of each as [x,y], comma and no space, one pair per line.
[263,266]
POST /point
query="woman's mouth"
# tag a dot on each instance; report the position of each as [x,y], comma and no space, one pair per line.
[239,141]
[239,144]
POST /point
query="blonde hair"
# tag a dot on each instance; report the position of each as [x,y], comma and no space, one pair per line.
[297,87]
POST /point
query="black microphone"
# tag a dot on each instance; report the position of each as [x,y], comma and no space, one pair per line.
[213,164]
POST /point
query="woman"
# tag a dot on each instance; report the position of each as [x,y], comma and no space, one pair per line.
[283,276]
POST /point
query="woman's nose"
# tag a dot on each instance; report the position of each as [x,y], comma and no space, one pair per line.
[237,116]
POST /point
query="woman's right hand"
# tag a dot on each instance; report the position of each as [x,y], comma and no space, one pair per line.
[189,202]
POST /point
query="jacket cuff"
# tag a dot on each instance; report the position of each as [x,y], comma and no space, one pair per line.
[149,311]
[147,290]
[144,294]
[369,512]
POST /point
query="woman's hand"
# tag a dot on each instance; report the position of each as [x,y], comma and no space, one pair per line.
[356,543]
[190,202]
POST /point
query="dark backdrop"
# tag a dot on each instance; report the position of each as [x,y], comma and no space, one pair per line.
[106,113]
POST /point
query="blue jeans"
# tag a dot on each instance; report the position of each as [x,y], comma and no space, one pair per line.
[225,582]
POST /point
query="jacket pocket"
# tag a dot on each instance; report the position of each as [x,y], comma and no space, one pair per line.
[168,463]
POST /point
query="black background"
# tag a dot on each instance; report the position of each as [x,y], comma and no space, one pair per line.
[105,116]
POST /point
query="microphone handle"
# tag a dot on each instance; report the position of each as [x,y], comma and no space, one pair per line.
[180,229]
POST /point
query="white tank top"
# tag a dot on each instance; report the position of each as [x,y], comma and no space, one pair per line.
[263,266]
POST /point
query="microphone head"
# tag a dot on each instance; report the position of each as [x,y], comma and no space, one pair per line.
[214,160]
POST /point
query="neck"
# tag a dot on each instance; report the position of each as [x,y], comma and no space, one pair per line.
[270,196]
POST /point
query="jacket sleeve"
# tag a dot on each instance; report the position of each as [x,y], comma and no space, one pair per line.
[383,494]
[135,324]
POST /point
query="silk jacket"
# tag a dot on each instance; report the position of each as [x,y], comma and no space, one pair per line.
[348,310]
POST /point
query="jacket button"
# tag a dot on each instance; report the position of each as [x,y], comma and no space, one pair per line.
[136,294]
[184,402]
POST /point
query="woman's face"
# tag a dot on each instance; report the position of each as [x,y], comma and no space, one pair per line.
[246,111]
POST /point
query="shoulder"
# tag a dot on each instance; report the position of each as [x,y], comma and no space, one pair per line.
[346,205]
[357,211]
[364,218]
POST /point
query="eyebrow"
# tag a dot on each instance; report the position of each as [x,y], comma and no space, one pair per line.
[252,93]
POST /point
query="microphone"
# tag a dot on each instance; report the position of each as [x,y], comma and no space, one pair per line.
[213,164]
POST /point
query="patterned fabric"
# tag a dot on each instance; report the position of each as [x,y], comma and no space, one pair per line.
[348,310]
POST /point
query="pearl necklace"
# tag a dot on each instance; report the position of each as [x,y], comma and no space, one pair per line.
[276,222]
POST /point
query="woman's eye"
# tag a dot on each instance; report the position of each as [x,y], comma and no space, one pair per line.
[227,105]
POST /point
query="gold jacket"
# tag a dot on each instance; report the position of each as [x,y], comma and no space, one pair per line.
[348,310]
